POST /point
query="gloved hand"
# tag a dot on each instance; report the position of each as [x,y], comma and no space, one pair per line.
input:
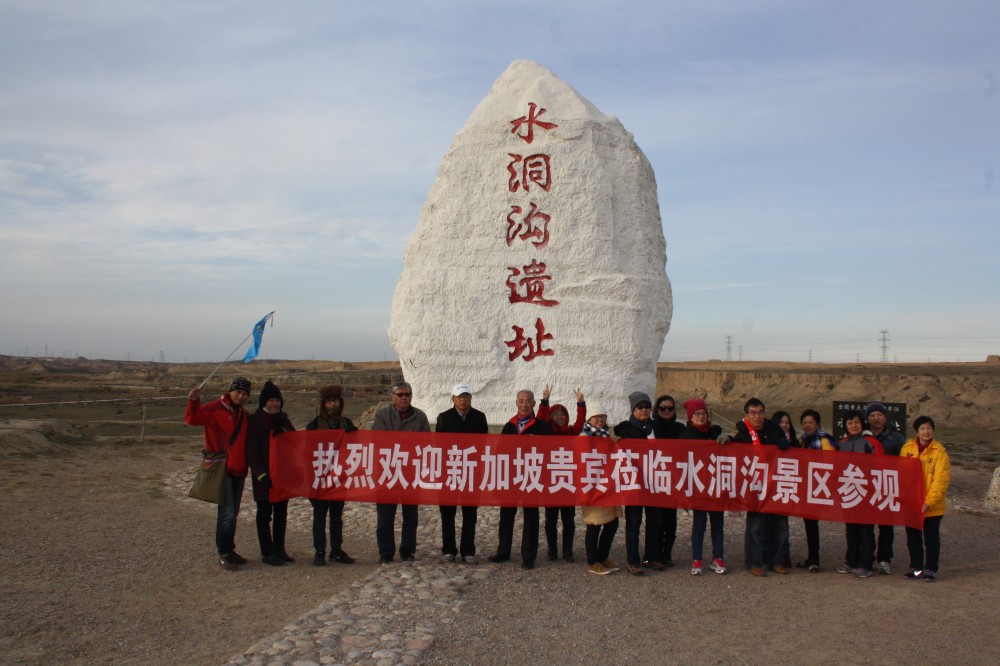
[265,481]
[724,438]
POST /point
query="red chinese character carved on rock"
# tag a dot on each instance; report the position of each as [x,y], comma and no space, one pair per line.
[524,171]
[533,284]
[530,121]
[528,348]
[528,227]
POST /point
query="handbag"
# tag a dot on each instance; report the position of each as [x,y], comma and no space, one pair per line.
[210,481]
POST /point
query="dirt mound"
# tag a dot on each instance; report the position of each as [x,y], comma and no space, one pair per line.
[961,395]
[32,439]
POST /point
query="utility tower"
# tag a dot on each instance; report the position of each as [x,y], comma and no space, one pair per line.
[741,352]
[729,348]
[883,343]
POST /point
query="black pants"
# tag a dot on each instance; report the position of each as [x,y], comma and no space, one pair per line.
[668,535]
[885,538]
[598,541]
[860,546]
[812,541]
[929,537]
[271,543]
[385,531]
[552,515]
[468,543]
[335,509]
[529,533]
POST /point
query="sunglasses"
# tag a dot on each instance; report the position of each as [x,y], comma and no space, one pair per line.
[666,408]
[402,395]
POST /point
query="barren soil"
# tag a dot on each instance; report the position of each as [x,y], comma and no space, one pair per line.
[100,564]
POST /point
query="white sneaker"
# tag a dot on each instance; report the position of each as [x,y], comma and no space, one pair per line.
[448,557]
[717,566]
[469,559]
[696,568]
[883,568]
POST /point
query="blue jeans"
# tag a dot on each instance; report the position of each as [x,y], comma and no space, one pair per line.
[701,518]
[225,523]
[633,524]
[766,535]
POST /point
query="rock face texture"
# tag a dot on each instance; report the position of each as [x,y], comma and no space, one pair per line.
[539,258]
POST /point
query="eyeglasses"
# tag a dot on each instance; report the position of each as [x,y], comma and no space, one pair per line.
[666,408]
[643,406]
[755,412]
[402,395]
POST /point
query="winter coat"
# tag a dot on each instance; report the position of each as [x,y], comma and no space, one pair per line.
[220,419]
[545,414]
[667,428]
[345,424]
[689,432]
[891,439]
[599,515]
[820,441]
[937,473]
[451,421]
[262,424]
[770,433]
[534,427]
[860,444]
[389,418]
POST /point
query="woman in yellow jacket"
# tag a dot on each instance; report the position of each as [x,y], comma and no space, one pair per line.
[937,475]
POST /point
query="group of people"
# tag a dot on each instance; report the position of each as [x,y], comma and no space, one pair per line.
[245,438]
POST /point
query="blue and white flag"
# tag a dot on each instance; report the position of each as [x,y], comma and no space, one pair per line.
[258,335]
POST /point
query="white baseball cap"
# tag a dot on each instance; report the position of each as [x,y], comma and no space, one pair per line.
[459,389]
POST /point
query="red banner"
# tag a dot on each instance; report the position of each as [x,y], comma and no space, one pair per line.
[507,470]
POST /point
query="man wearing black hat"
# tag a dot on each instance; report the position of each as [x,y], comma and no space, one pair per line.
[267,420]
[225,423]
[884,430]
[640,426]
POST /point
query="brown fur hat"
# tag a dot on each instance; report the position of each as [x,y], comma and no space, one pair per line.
[331,392]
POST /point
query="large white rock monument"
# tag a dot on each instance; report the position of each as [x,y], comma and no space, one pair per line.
[539,258]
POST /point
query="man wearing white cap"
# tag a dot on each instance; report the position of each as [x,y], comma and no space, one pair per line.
[465,419]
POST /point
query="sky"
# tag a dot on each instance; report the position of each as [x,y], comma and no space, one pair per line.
[171,171]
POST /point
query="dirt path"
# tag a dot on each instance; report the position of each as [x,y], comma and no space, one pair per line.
[98,565]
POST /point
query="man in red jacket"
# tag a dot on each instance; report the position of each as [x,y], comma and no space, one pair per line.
[225,423]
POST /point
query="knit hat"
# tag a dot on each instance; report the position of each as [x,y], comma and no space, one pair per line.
[636,398]
[693,405]
[595,409]
[241,384]
[559,408]
[269,391]
[875,407]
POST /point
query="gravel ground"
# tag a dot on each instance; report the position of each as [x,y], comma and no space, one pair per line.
[101,563]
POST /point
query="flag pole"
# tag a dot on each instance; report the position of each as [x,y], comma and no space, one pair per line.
[236,349]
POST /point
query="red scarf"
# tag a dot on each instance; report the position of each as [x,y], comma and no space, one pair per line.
[754,437]
[703,429]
